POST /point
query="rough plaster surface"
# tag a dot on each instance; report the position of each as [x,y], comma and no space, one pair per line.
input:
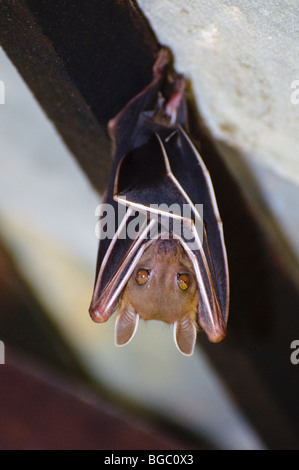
[242,60]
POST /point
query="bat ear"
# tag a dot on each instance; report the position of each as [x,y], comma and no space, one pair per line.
[185,335]
[125,326]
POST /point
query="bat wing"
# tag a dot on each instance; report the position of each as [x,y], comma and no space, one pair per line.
[149,180]
[210,259]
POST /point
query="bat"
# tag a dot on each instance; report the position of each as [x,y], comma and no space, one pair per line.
[162,253]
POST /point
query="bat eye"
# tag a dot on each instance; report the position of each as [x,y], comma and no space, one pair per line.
[142,276]
[183,281]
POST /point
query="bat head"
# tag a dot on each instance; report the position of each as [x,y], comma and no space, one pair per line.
[162,287]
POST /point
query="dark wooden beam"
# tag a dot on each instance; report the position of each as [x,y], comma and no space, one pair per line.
[83,60]
[41,412]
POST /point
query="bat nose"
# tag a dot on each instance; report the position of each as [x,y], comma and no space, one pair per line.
[168,247]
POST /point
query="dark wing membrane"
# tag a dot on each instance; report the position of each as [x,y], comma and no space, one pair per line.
[117,265]
[142,182]
[127,133]
[142,177]
[191,173]
[128,129]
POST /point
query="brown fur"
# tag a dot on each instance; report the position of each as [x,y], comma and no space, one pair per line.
[161,298]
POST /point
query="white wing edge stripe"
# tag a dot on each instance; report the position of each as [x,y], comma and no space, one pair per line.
[143,208]
[212,198]
[206,172]
[200,280]
[112,243]
[175,181]
[132,267]
[215,205]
